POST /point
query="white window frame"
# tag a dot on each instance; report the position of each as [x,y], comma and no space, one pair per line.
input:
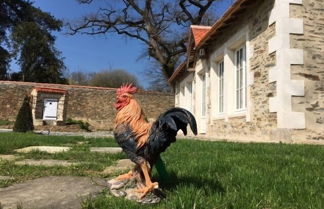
[220,86]
[227,51]
[203,94]
[240,79]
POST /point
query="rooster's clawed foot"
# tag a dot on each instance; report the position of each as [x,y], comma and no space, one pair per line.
[125,176]
[147,189]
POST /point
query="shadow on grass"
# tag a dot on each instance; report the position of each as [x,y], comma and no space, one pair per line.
[172,181]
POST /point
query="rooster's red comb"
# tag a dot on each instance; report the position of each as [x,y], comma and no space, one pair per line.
[126,88]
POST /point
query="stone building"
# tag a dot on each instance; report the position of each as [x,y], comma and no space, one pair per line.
[258,72]
[55,103]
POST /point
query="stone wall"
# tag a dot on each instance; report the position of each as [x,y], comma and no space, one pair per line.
[284,41]
[11,99]
[91,104]
[261,122]
[312,71]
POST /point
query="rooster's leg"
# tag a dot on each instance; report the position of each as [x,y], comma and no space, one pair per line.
[149,185]
[125,176]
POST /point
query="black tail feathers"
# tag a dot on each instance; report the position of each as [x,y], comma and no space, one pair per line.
[164,131]
[178,118]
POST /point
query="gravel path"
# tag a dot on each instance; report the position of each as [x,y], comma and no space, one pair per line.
[5,130]
[95,134]
[102,134]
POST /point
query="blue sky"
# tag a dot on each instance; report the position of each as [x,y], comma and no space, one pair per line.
[95,53]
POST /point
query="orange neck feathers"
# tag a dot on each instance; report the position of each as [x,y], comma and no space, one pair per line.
[133,115]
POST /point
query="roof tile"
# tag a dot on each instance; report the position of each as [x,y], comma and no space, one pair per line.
[199,32]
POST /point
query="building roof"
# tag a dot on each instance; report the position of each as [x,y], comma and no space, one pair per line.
[231,15]
[198,32]
[202,35]
[181,68]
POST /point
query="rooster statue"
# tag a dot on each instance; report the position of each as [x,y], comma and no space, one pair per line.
[142,141]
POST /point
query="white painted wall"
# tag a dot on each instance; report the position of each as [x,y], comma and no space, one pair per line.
[185,93]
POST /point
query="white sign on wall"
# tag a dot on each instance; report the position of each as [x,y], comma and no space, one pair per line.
[50,109]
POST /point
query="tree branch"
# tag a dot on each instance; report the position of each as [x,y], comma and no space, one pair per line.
[184,9]
[135,6]
[158,24]
[137,35]
[196,3]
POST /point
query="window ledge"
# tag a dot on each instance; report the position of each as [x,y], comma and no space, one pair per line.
[219,116]
[238,114]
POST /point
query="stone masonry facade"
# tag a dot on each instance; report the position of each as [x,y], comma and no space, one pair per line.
[261,122]
[312,71]
[309,69]
[284,42]
[94,105]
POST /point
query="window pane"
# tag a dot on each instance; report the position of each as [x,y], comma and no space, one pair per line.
[237,99]
[240,98]
[240,78]
[237,79]
[245,78]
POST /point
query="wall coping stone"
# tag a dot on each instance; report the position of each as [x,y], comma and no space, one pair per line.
[66,86]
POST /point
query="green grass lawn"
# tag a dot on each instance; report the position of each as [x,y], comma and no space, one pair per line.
[203,174]
[91,164]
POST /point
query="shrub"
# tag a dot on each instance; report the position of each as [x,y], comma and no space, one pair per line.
[82,125]
[4,123]
[24,120]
